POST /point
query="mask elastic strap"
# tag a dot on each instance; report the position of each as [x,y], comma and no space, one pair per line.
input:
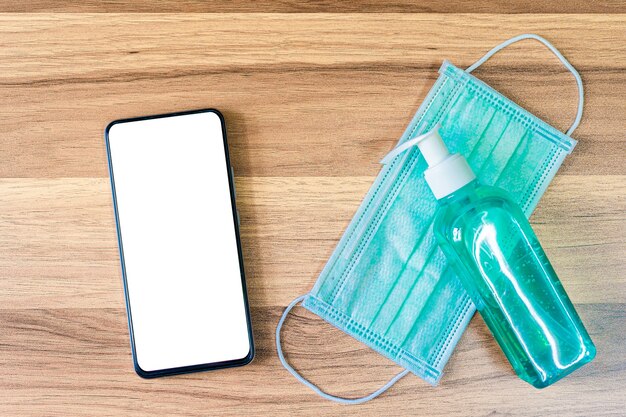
[309,384]
[565,62]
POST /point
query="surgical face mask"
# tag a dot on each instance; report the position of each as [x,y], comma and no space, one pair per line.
[387,284]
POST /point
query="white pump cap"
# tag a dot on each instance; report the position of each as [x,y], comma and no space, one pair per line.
[446,173]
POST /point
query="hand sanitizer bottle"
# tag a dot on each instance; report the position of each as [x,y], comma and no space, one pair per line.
[496,255]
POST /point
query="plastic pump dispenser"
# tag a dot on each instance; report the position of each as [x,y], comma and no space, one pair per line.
[446,173]
[502,266]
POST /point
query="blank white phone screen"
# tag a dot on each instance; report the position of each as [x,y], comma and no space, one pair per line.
[179,244]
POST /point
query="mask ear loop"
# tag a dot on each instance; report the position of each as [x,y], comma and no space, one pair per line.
[309,384]
[564,61]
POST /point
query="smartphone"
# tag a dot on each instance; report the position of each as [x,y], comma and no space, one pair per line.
[178,235]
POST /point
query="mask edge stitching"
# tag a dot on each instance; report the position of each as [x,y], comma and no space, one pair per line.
[380,341]
[409,165]
[370,230]
[517,112]
[444,343]
[356,226]
[374,194]
[568,146]
[546,167]
[501,105]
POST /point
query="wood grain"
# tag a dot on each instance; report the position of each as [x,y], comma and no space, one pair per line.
[316,6]
[312,102]
[331,93]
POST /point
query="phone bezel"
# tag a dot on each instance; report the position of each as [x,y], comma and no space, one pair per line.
[231,184]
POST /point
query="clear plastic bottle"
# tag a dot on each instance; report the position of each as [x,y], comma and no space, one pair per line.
[500,262]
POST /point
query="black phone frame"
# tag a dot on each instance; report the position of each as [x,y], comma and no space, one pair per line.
[231,184]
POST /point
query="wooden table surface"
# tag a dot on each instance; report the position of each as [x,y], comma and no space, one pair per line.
[312,101]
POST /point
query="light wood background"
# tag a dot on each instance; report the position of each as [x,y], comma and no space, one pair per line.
[312,101]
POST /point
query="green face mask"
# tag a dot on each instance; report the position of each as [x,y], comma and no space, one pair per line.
[387,283]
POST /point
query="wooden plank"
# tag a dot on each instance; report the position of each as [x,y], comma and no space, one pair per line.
[326,96]
[318,6]
[334,134]
[148,44]
[77,362]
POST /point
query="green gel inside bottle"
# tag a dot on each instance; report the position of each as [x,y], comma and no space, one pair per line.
[501,264]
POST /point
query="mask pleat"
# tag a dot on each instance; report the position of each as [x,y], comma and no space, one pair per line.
[426,334]
[462,119]
[342,262]
[501,153]
[387,254]
[524,166]
[416,279]
[510,172]
[480,167]
[399,286]
[421,290]
[481,152]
